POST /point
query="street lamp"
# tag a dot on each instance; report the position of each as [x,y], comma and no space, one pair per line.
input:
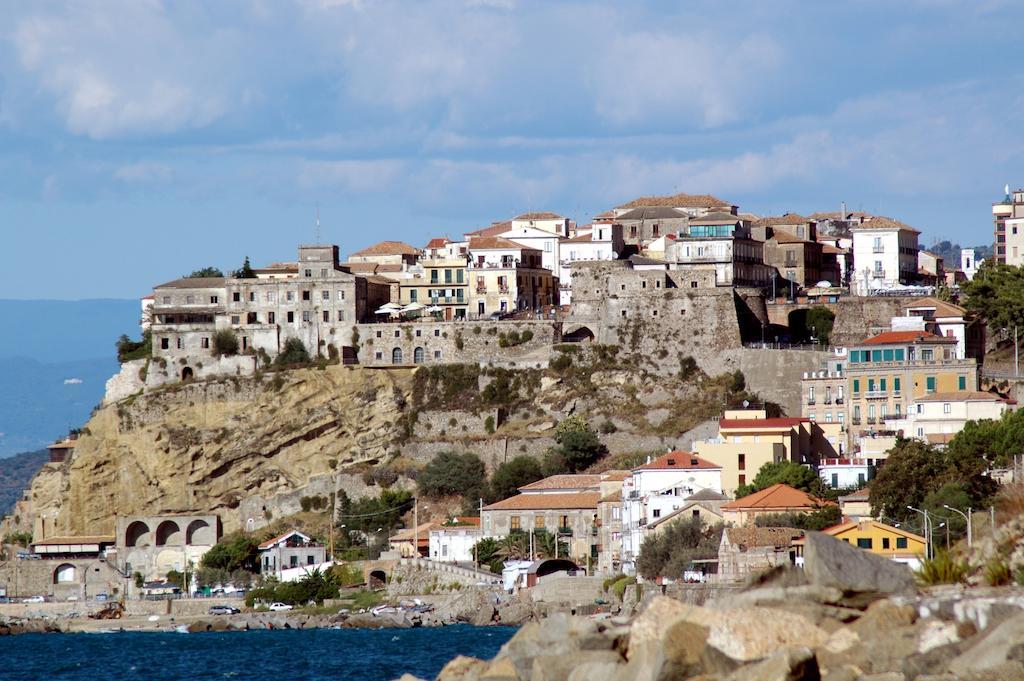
[967,517]
[927,533]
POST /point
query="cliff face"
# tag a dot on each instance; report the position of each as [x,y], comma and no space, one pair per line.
[210,446]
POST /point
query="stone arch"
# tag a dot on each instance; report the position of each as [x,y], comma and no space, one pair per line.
[417,356]
[65,574]
[581,334]
[378,579]
[137,534]
[187,374]
[168,533]
[396,356]
[200,532]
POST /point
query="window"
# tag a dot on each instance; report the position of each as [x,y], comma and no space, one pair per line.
[864,542]
[341,315]
[309,560]
[856,387]
[896,385]
[341,295]
[306,295]
[165,343]
[205,343]
[828,417]
[538,522]
[563,522]
[271,317]
[308,273]
[396,356]
[236,297]
[307,316]
[325,295]
[214,299]
[656,513]
[962,382]
[252,296]
[378,355]
[901,542]
[437,354]
[742,479]
[167,300]
[271,296]
[291,317]
[327,315]
[881,384]
[412,295]
[433,277]
[294,561]
[885,543]
[514,522]
[323,272]
[927,354]
[947,408]
[811,416]
[741,461]
[835,481]
[236,319]
[290,296]
[437,333]
[696,513]
[930,384]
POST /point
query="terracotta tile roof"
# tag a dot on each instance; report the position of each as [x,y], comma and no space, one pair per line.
[607,215]
[540,502]
[438,242]
[588,237]
[939,438]
[889,337]
[960,396]
[371,267]
[778,496]
[195,282]
[543,215]
[387,248]
[566,481]
[86,539]
[496,229]
[652,213]
[270,542]
[613,498]
[832,250]
[782,236]
[680,461]
[941,307]
[837,215]
[765,424]
[882,222]
[678,200]
[422,533]
[615,475]
[787,219]
[777,537]
[718,218]
[478,243]
[862,494]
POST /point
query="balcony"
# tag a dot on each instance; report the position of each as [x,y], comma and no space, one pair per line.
[855,421]
[871,420]
[810,401]
[839,400]
[566,531]
[878,249]
[876,394]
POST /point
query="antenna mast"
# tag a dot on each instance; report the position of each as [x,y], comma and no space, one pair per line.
[317,224]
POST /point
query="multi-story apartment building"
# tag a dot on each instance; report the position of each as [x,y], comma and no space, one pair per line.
[884,255]
[931,268]
[387,253]
[1008,216]
[937,417]
[887,372]
[658,488]
[316,300]
[442,283]
[790,247]
[823,402]
[641,226]
[720,243]
[609,521]
[951,321]
[505,276]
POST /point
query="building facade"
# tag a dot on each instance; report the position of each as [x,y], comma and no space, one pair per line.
[507,277]
[884,256]
[1008,237]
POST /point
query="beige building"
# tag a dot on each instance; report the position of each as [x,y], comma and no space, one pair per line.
[442,283]
[748,439]
[938,417]
[1008,217]
[387,253]
[778,498]
[506,277]
[609,519]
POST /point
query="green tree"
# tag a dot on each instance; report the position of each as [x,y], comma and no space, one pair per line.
[225,342]
[578,446]
[369,513]
[127,349]
[206,272]
[668,553]
[453,474]
[488,553]
[997,294]
[827,516]
[293,352]
[511,475]
[245,272]
[785,472]
[819,322]
[235,551]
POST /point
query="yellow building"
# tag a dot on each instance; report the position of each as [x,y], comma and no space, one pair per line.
[889,371]
[885,540]
[747,440]
[444,283]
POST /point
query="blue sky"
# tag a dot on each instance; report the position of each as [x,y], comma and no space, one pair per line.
[140,139]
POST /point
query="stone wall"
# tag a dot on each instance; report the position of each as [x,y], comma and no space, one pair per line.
[128,381]
[25,578]
[457,342]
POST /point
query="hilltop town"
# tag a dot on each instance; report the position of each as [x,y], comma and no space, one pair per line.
[674,393]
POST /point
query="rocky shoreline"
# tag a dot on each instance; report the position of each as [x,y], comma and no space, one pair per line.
[847,616]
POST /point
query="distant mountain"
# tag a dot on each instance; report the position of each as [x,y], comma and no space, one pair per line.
[15,472]
[65,330]
[41,402]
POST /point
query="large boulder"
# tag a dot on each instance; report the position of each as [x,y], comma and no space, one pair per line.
[830,562]
[1003,644]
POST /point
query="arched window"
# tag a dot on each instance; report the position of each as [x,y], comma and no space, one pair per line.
[64,574]
[417,356]
[396,356]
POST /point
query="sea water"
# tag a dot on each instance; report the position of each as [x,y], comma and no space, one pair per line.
[339,654]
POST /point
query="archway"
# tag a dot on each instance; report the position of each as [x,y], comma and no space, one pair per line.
[580,335]
[417,356]
[64,574]
[186,374]
[378,579]
[137,534]
[396,356]
[168,532]
[199,533]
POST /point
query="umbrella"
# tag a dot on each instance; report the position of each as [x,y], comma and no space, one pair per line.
[434,309]
[389,308]
[413,307]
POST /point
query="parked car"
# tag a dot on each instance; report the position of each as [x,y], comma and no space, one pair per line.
[34,599]
[101,597]
[223,610]
[277,607]
[72,598]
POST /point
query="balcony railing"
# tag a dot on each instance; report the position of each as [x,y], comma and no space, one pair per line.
[839,400]
[810,401]
[871,420]
[876,394]
[855,421]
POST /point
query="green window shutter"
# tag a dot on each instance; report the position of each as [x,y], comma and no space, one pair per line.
[930,384]
[963,382]
[871,385]
[881,384]
[887,355]
[856,386]
[900,354]
[896,384]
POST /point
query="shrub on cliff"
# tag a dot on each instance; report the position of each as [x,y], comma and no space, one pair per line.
[451,474]
[578,447]
[127,349]
[293,352]
[225,342]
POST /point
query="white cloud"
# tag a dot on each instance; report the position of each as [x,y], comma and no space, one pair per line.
[144,171]
[353,176]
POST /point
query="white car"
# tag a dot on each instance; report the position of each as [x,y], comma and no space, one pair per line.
[34,599]
[277,607]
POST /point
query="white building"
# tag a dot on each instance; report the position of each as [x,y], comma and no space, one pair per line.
[454,544]
[968,263]
[659,488]
[602,241]
[845,473]
[884,256]
[553,223]
[938,417]
[540,240]
[291,556]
